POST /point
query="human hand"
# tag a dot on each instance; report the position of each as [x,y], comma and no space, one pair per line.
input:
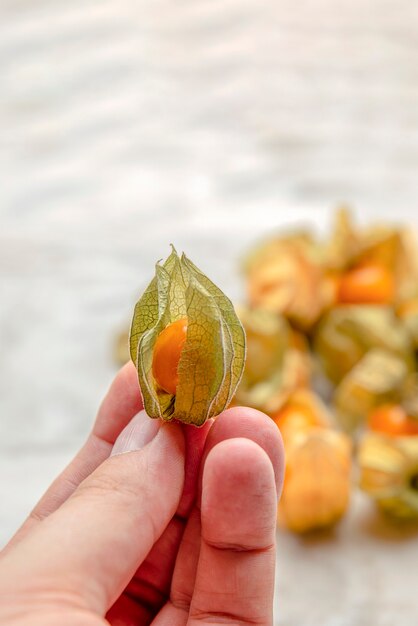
[180,530]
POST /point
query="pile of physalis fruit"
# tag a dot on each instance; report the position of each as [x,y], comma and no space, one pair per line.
[329,352]
[335,326]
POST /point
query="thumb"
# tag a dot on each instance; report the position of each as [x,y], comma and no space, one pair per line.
[91,547]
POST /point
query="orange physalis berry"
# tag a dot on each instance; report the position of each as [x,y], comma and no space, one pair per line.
[166,357]
[393,420]
[367,284]
[330,289]
[296,417]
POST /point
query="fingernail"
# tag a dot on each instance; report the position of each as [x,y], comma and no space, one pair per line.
[140,431]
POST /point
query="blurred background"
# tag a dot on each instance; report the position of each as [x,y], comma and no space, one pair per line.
[128,125]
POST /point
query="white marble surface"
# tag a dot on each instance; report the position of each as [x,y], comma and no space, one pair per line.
[125,125]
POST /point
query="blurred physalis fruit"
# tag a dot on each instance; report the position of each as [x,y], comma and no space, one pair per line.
[267,341]
[377,379]
[187,344]
[392,420]
[284,276]
[368,284]
[303,410]
[408,314]
[278,361]
[342,246]
[389,472]
[317,486]
[410,396]
[348,332]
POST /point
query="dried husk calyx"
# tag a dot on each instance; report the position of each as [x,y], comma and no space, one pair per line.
[389,473]
[212,360]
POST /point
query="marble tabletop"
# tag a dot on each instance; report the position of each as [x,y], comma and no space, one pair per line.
[128,125]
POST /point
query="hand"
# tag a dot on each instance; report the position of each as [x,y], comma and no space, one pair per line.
[160,523]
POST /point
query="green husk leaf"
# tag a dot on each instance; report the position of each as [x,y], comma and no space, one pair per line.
[347,333]
[268,338]
[388,473]
[233,336]
[410,396]
[409,319]
[213,356]
[276,367]
[338,252]
[378,378]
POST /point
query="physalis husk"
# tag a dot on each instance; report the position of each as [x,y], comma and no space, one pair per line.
[212,355]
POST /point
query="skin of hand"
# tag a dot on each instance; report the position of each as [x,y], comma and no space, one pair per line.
[152,523]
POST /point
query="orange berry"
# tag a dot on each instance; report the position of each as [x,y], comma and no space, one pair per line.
[296,417]
[330,289]
[393,420]
[167,352]
[368,284]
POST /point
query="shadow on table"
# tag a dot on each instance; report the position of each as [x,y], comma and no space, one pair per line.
[370,522]
[376,524]
[314,537]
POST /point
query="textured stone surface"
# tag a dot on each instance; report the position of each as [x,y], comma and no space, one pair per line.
[127,125]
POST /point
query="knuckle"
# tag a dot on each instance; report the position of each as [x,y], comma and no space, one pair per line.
[198,614]
[101,484]
[107,483]
[181,599]
[243,545]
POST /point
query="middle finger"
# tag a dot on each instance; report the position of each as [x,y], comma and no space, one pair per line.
[236,422]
